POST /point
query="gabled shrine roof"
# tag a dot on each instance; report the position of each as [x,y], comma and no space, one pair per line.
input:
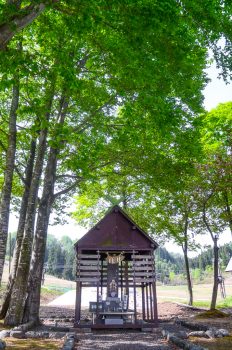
[116,231]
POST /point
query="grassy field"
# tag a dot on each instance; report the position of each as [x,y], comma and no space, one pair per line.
[54,287]
[201,293]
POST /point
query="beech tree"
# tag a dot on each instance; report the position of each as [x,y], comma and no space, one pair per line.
[116,82]
[213,181]
[8,173]
[216,134]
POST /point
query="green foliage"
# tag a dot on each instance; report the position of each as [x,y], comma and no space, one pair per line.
[196,274]
[60,257]
[172,276]
[204,260]
[132,74]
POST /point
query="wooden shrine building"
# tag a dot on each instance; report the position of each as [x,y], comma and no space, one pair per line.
[116,257]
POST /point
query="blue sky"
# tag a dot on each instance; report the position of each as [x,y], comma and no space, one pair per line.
[216,91]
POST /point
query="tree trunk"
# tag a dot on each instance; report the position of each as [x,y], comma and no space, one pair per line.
[31,312]
[228,210]
[32,305]
[216,262]
[20,230]
[185,251]
[8,176]
[188,275]
[18,21]
[15,312]
[215,274]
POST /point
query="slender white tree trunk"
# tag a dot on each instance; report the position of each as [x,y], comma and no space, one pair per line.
[20,230]
[16,308]
[8,176]
[31,311]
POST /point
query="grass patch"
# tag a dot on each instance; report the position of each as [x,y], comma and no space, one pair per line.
[227,302]
[57,289]
[214,344]
[47,295]
[48,291]
[32,344]
[3,327]
[212,314]
[204,304]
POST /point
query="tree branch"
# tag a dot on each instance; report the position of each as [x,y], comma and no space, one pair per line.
[21,19]
[65,190]
[206,222]
[85,124]
[67,176]
[3,146]
[20,175]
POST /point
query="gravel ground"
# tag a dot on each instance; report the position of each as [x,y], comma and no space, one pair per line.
[127,339]
[123,340]
[166,310]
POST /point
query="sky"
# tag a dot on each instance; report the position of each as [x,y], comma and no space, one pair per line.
[215,92]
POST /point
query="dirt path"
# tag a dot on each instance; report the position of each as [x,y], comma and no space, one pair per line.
[123,341]
[166,310]
[135,340]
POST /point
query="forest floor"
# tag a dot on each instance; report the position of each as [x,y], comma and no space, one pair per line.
[169,310]
[168,313]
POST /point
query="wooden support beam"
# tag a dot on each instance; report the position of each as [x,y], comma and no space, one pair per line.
[87,279]
[121,279]
[143,274]
[143,268]
[89,268]
[78,303]
[127,282]
[143,302]
[89,273]
[98,285]
[101,277]
[150,297]
[87,256]
[88,262]
[140,257]
[147,302]
[155,311]
[142,263]
[135,303]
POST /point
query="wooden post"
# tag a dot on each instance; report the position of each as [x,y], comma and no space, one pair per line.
[121,281]
[155,311]
[143,301]
[147,303]
[101,277]
[78,303]
[150,296]
[134,287]
[98,278]
[78,294]
[127,283]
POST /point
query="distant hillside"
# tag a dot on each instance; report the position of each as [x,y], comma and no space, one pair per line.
[60,261]
[205,258]
[168,265]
